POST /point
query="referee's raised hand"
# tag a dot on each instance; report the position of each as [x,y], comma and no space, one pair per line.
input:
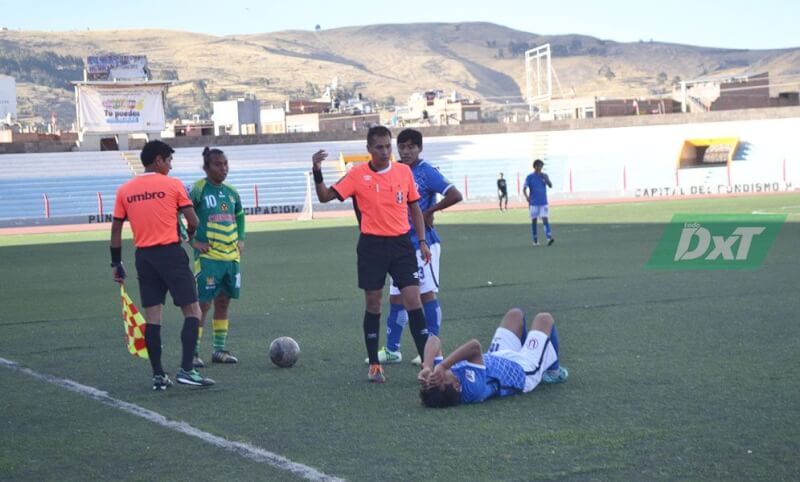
[317,159]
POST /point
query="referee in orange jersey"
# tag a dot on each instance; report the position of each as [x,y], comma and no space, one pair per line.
[151,203]
[383,195]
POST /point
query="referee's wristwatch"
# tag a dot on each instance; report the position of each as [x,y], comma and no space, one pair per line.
[424,241]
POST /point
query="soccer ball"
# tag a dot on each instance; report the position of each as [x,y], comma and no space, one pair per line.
[284,351]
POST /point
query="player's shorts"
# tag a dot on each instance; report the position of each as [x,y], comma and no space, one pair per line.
[215,276]
[539,211]
[428,273]
[161,269]
[503,195]
[534,356]
[382,255]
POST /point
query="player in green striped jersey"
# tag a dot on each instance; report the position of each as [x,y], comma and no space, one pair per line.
[218,246]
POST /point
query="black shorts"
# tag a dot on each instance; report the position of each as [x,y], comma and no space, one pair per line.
[165,268]
[382,255]
[503,195]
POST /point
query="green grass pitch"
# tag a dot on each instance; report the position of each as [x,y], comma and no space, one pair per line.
[687,375]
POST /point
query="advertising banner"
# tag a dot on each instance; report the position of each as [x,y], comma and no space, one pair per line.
[135,109]
[119,67]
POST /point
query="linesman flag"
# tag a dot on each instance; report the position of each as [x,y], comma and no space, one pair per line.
[134,325]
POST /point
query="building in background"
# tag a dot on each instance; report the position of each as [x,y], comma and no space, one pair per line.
[434,108]
[237,117]
[8,100]
[728,92]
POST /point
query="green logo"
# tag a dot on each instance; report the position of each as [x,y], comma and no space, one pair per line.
[716,241]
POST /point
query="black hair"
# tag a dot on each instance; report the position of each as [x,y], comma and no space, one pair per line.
[208,152]
[410,135]
[377,131]
[153,149]
[434,397]
[538,162]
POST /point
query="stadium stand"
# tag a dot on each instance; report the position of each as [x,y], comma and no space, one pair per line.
[586,163]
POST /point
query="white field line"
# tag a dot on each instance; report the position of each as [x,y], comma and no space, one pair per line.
[785,209]
[245,450]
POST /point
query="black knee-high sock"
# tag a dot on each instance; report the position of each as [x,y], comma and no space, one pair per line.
[372,322]
[419,329]
[152,340]
[189,341]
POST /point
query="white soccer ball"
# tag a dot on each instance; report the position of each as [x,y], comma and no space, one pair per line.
[284,351]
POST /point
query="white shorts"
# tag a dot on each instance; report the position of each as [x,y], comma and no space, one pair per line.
[537,352]
[428,273]
[539,211]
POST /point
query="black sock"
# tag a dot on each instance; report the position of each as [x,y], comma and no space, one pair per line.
[189,341]
[419,329]
[152,340]
[372,322]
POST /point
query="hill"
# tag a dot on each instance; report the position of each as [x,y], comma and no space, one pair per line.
[385,62]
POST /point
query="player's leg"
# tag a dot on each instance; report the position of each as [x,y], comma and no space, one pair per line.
[230,286]
[197,361]
[208,285]
[546,222]
[220,323]
[395,323]
[543,348]
[509,334]
[534,215]
[429,286]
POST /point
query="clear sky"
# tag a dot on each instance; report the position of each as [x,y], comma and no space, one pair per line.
[745,24]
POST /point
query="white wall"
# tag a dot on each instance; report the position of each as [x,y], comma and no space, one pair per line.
[8,97]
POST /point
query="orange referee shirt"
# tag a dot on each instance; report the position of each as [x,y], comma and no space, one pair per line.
[150,202]
[382,197]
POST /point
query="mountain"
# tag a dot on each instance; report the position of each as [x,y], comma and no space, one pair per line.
[386,63]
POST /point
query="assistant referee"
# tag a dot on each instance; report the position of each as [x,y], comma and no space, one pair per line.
[151,203]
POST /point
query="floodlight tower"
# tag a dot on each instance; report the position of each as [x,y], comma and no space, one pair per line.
[538,77]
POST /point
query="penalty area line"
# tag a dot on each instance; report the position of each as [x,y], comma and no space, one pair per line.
[249,451]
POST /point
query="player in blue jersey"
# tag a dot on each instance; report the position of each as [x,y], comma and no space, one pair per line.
[516,362]
[535,191]
[430,183]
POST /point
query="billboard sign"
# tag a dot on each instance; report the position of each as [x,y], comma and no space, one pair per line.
[116,67]
[132,109]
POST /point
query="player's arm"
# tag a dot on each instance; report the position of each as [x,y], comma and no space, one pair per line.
[433,349]
[451,196]
[547,180]
[324,193]
[526,193]
[240,231]
[470,351]
[419,227]
[192,222]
